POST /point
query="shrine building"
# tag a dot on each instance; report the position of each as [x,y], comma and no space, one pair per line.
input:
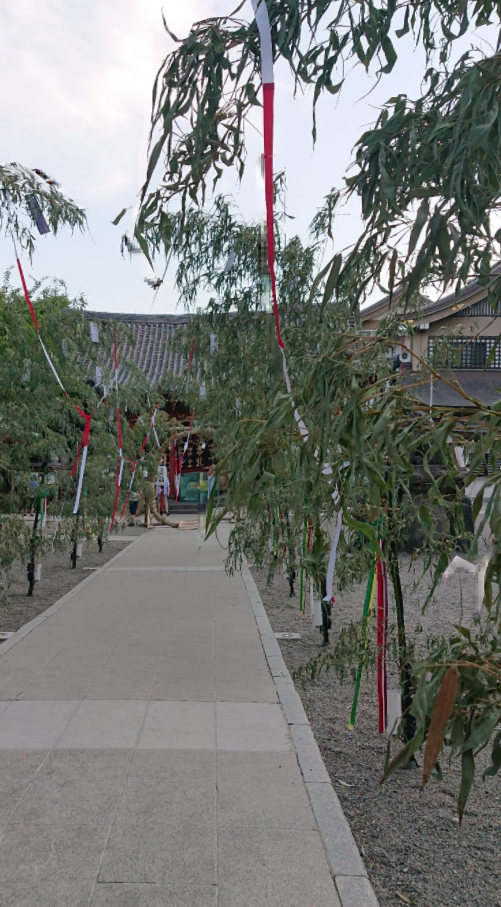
[149,349]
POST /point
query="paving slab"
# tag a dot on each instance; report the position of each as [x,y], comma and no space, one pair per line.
[110,895]
[149,743]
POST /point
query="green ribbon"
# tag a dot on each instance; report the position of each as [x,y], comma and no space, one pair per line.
[368,602]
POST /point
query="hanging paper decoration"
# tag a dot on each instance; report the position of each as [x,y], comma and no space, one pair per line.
[44,176]
[366,616]
[94,332]
[64,347]
[154,284]
[230,262]
[99,376]
[213,343]
[42,225]
[267,77]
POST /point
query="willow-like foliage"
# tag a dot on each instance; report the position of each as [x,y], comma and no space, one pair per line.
[428,179]
[18,185]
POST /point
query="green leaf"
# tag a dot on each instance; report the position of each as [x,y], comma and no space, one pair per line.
[482,730]
[119,218]
[332,278]
[467,776]
[421,218]
[404,755]
[390,54]
[495,757]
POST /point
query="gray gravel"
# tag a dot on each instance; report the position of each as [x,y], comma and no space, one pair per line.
[414,850]
[58,577]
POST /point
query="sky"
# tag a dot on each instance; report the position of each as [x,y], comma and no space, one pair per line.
[79,77]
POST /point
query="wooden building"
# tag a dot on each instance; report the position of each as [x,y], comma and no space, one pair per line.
[471,328]
[149,349]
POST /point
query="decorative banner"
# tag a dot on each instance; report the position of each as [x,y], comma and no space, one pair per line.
[42,225]
[263,24]
[213,343]
[94,332]
[64,347]
[99,376]
[266,48]
[231,261]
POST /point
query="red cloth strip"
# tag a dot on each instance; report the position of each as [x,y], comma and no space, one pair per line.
[268,100]
[27,296]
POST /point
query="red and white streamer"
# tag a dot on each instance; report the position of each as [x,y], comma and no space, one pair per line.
[120,459]
[268,81]
[84,441]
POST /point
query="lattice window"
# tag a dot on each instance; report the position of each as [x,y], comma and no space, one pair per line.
[482,307]
[463,353]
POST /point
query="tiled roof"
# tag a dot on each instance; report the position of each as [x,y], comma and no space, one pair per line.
[150,350]
[451,299]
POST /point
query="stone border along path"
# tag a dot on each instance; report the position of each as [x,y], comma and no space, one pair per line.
[145,759]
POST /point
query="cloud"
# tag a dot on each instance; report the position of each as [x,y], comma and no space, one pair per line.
[80,78]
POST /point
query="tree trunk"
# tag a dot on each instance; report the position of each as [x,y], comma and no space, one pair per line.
[326,613]
[409,727]
[33,553]
[74,549]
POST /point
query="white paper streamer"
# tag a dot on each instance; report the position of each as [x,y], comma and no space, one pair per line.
[94,332]
[80,479]
[231,261]
[263,24]
[49,360]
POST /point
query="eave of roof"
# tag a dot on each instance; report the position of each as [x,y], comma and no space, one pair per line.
[451,300]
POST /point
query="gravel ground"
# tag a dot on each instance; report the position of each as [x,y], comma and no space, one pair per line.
[414,850]
[58,577]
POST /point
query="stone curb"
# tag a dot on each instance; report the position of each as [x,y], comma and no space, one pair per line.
[343,855]
[27,628]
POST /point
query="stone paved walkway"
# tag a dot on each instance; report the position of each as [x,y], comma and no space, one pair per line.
[144,757]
